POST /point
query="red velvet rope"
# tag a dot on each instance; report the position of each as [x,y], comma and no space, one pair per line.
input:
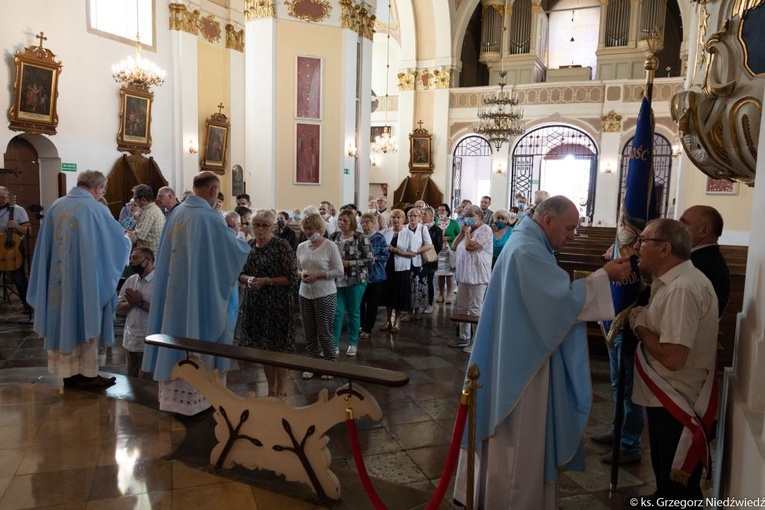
[451,459]
[446,475]
[361,468]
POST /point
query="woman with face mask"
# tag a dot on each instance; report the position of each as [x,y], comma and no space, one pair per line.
[319,263]
[380,222]
[284,231]
[473,248]
[502,230]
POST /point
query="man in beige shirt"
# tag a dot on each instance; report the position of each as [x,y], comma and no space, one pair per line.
[675,361]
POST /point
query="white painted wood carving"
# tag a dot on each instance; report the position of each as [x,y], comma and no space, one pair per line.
[268,433]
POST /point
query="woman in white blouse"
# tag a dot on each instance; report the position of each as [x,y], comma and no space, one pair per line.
[420,243]
[319,263]
[405,245]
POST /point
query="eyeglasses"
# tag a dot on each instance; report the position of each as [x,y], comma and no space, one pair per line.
[261,225]
[641,240]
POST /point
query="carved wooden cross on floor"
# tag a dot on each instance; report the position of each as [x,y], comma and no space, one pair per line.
[42,38]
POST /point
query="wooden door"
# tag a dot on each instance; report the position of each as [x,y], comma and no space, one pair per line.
[21,175]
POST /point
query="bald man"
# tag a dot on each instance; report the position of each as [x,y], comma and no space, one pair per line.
[195,294]
[167,200]
[706,225]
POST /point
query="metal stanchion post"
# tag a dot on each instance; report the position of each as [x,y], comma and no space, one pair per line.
[471,386]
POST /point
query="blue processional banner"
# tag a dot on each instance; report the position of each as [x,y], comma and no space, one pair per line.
[638,207]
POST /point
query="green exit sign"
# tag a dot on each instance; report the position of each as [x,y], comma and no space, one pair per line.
[68,167]
[347,171]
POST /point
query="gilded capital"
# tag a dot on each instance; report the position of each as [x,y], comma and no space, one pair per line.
[183,20]
[234,38]
[407,79]
[257,9]
[611,122]
[443,77]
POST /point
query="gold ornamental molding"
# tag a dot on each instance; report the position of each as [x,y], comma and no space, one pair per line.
[234,38]
[258,9]
[184,20]
[426,79]
[358,19]
[407,79]
[611,122]
[210,28]
[443,77]
[536,6]
[312,11]
[499,8]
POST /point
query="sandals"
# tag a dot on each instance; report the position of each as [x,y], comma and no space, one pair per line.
[440,299]
[385,327]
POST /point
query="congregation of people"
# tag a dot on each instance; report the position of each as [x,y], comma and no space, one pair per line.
[191,269]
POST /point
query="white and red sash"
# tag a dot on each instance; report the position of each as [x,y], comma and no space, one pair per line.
[697,421]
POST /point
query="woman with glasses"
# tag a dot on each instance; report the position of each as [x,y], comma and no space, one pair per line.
[268,276]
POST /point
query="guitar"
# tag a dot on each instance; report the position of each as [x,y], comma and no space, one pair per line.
[10,243]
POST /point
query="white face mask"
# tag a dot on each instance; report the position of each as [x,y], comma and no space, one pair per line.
[372,211]
[314,237]
[512,215]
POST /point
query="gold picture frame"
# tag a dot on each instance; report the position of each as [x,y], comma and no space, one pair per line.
[420,150]
[216,142]
[134,133]
[35,91]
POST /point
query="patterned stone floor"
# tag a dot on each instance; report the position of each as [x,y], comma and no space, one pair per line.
[84,450]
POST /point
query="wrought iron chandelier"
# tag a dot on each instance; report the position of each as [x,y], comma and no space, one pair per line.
[138,72]
[385,142]
[501,117]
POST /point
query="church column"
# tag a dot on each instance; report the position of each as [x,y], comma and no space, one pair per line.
[364,119]
[634,34]
[441,149]
[348,117]
[260,104]
[406,124]
[236,110]
[183,41]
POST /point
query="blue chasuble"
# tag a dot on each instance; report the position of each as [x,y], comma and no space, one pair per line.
[80,254]
[529,319]
[195,294]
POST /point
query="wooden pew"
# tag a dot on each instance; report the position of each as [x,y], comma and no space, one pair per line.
[581,257]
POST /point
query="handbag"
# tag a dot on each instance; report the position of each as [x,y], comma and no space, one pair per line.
[430,256]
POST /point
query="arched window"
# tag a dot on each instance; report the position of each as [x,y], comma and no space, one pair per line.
[559,159]
[471,170]
[662,168]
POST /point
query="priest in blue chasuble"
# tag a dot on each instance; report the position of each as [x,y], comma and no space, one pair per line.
[80,254]
[531,350]
[195,294]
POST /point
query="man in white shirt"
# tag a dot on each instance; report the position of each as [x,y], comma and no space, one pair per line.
[134,303]
[675,360]
[327,211]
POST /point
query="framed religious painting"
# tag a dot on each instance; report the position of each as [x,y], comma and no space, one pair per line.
[35,91]
[721,187]
[308,88]
[134,133]
[420,150]
[307,153]
[216,143]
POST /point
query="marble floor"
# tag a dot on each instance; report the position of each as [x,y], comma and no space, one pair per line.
[74,449]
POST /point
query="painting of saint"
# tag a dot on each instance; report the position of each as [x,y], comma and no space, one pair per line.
[36,90]
[308,153]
